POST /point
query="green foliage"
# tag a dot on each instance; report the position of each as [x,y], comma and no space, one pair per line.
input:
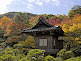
[29,43]
[48,16]
[22,17]
[1,33]
[33,20]
[74,59]
[76,7]
[71,27]
[18,46]
[22,42]
[74,11]
[62,17]
[23,59]
[9,15]
[10,54]
[14,40]
[35,55]
[58,59]
[12,14]
[72,31]
[3,45]
[7,57]
[65,54]
[49,58]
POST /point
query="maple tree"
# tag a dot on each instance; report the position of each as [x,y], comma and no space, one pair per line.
[14,28]
[34,20]
[54,21]
[4,22]
[71,25]
[72,29]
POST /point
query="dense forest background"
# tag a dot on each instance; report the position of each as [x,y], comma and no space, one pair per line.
[13,44]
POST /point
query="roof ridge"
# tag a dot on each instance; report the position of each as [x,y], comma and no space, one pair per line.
[41,19]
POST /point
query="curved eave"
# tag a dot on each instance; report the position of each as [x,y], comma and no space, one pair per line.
[56,30]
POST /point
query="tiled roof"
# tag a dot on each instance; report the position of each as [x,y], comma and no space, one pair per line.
[40,29]
[42,25]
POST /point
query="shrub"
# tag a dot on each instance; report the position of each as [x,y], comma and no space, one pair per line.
[35,55]
[58,59]
[65,54]
[49,58]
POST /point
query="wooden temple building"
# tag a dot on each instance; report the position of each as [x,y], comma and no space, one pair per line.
[46,36]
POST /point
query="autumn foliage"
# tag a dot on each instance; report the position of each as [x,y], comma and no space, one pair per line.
[54,21]
[4,22]
[34,20]
[15,28]
[72,24]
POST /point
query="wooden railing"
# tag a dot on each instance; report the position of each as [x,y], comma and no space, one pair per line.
[48,50]
[51,50]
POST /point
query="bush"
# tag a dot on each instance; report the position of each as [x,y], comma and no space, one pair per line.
[7,57]
[74,59]
[10,54]
[49,58]
[23,59]
[65,54]
[35,55]
[58,59]
[19,46]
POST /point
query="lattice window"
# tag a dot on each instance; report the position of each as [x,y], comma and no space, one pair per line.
[43,42]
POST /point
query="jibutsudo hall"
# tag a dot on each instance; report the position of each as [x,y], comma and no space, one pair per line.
[46,36]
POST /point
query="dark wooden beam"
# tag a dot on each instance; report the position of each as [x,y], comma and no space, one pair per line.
[51,32]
